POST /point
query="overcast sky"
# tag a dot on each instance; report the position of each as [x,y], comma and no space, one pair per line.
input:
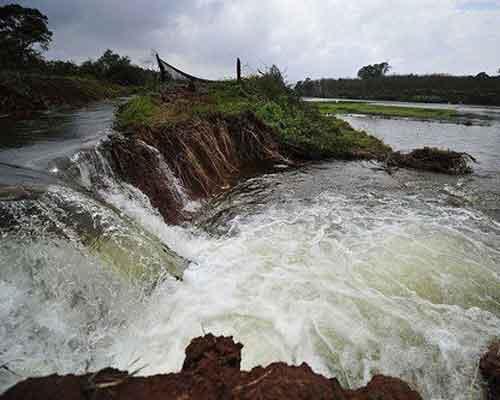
[316,38]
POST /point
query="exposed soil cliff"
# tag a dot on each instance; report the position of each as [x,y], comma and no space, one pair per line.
[211,370]
[490,368]
[193,159]
[190,144]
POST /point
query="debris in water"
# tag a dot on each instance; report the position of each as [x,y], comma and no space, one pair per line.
[434,160]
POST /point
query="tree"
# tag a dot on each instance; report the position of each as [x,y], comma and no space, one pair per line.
[482,75]
[306,88]
[110,60]
[374,71]
[118,69]
[58,67]
[23,35]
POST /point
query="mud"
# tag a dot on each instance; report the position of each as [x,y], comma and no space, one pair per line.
[211,370]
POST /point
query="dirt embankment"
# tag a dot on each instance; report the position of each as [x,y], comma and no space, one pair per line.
[490,368]
[22,94]
[193,159]
[211,370]
[184,158]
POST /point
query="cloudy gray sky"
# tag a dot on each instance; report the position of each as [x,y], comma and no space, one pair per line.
[316,38]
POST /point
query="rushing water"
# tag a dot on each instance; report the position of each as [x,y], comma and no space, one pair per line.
[337,264]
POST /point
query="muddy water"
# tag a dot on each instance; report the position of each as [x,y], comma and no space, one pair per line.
[337,264]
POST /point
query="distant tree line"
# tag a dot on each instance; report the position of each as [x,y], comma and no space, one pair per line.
[24,36]
[437,88]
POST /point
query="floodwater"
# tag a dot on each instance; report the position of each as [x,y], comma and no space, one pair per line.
[338,264]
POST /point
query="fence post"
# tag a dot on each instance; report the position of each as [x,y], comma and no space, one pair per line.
[238,69]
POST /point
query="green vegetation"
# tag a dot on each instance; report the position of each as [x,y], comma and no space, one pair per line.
[21,94]
[115,68]
[23,34]
[480,89]
[137,112]
[374,71]
[28,82]
[350,107]
[300,126]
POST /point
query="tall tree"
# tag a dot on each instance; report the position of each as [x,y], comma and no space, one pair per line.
[23,35]
[374,71]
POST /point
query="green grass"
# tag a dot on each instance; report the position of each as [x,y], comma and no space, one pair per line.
[345,107]
[300,126]
[137,112]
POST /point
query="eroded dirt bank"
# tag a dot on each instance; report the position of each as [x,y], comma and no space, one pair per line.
[211,370]
[190,145]
[193,159]
[490,368]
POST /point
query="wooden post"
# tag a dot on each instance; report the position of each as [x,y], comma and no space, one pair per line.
[238,69]
[162,69]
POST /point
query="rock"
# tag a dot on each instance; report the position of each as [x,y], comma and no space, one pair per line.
[490,368]
[211,371]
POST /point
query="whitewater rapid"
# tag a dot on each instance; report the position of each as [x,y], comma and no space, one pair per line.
[353,285]
[337,264]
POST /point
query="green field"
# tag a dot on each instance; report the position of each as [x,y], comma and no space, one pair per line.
[349,107]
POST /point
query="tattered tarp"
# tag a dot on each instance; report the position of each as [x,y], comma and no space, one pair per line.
[170,73]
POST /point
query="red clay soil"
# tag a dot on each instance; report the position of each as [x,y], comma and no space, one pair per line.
[490,368]
[211,370]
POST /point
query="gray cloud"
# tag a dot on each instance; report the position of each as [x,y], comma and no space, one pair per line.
[317,38]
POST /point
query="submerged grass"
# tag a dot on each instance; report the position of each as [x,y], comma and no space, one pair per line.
[350,107]
[300,127]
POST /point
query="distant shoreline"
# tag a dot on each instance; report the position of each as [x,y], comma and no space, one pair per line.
[438,89]
[383,110]
[24,94]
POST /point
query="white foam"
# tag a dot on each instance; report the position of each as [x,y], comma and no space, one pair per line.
[354,284]
[398,293]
